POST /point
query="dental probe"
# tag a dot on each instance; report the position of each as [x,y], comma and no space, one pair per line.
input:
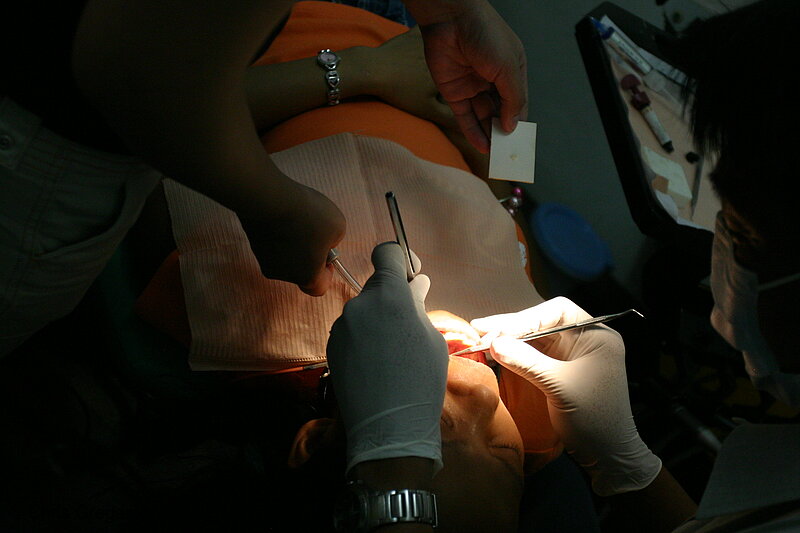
[549,331]
[333,258]
[400,233]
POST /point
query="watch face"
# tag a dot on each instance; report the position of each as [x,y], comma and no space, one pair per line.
[350,511]
[327,57]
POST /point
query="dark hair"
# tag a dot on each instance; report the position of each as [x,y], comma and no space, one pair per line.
[743,77]
[308,494]
[262,413]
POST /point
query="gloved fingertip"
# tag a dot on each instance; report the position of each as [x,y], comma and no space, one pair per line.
[490,324]
[420,286]
[415,261]
[481,325]
[388,256]
[487,338]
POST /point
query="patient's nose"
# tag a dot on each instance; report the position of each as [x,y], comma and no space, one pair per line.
[477,401]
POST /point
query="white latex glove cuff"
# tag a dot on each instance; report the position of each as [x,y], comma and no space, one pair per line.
[400,436]
[608,480]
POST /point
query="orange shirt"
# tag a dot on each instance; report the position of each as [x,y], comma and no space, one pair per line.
[313,25]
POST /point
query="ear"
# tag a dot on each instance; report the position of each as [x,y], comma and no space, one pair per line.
[312,436]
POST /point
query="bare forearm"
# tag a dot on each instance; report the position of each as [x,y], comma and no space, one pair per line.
[277,92]
[395,473]
[169,79]
[659,508]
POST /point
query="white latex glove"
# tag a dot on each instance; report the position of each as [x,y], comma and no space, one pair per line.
[389,366]
[583,377]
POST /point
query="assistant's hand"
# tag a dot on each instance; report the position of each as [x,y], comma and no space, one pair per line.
[294,246]
[582,373]
[402,79]
[389,366]
[477,62]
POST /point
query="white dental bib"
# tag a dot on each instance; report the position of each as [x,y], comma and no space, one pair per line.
[242,321]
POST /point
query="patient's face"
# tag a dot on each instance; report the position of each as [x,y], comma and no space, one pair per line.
[480,486]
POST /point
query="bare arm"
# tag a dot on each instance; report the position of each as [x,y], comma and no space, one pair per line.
[169,77]
[394,72]
[660,507]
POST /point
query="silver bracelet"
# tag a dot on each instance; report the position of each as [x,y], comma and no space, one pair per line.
[329,60]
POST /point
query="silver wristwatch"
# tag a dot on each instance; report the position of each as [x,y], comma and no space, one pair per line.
[328,60]
[362,509]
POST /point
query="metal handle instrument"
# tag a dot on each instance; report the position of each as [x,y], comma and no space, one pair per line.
[333,258]
[400,233]
[549,331]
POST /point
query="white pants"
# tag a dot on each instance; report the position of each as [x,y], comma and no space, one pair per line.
[64,208]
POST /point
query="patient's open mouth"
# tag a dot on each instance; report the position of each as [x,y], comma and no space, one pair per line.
[456,343]
[458,334]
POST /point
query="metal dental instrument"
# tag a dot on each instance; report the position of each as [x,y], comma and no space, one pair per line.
[333,258]
[549,331]
[400,233]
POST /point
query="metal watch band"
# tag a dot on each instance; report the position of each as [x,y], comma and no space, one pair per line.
[331,75]
[332,78]
[361,509]
[402,506]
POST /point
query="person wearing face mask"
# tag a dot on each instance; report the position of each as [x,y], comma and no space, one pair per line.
[743,111]
[739,294]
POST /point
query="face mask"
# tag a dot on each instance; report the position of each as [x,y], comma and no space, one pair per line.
[735,290]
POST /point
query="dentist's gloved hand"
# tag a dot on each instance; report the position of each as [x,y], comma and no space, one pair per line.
[389,366]
[582,373]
